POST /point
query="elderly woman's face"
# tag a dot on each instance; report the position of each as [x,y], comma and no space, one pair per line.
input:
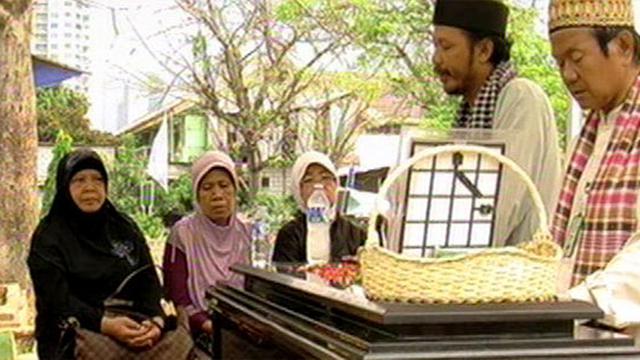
[317,174]
[88,190]
[217,196]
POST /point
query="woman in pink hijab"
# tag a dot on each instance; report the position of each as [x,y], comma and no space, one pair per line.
[203,245]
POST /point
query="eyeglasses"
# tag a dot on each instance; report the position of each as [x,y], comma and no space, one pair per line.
[325,179]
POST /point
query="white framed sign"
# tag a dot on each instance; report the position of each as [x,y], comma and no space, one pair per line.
[449,201]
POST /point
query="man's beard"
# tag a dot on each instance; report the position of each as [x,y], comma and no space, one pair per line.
[459,90]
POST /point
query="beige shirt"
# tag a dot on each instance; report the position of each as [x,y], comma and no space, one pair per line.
[523,107]
[603,138]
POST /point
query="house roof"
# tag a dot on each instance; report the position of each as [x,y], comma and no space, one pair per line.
[48,73]
[154,118]
[393,107]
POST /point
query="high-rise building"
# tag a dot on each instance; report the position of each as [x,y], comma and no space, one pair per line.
[61,32]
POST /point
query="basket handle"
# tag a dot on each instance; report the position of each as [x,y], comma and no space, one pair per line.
[372,234]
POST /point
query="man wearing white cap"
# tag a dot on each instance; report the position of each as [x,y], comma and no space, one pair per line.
[598,213]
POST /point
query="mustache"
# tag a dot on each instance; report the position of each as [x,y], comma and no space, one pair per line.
[440,71]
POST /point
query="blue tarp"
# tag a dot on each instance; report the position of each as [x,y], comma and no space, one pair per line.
[50,74]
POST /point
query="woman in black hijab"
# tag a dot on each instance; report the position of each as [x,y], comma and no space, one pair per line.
[80,253]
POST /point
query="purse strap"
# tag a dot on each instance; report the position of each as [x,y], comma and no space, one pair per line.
[170,315]
[126,281]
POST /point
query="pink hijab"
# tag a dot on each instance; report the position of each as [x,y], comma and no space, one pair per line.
[210,249]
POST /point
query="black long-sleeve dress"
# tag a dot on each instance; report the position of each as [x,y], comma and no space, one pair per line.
[291,241]
[77,260]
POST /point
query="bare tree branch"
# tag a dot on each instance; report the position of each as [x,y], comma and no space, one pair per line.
[4,15]
[14,7]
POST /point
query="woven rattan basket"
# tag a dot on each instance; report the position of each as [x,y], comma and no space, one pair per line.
[509,274]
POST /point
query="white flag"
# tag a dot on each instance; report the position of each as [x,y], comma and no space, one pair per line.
[158,167]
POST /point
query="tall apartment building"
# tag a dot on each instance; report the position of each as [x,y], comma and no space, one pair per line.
[61,32]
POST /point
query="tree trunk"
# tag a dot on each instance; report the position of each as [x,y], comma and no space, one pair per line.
[254,171]
[18,140]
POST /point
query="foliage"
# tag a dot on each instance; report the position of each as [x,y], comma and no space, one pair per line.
[7,345]
[176,202]
[126,176]
[394,37]
[247,72]
[64,109]
[344,99]
[391,37]
[532,55]
[128,172]
[276,209]
[63,146]
[151,225]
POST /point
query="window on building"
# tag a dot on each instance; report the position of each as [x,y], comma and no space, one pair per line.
[41,27]
[67,35]
[190,137]
[41,47]
[265,182]
[54,46]
[54,25]
[177,140]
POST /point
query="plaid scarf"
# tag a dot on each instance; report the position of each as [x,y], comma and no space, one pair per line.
[480,115]
[610,214]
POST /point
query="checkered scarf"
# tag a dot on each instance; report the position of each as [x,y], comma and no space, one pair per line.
[480,115]
[610,214]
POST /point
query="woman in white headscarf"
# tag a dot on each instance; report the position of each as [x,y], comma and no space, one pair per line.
[313,168]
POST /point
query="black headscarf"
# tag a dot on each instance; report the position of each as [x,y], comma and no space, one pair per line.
[477,16]
[106,230]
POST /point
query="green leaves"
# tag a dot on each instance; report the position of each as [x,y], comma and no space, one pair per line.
[65,109]
[531,52]
[278,209]
[394,39]
[63,146]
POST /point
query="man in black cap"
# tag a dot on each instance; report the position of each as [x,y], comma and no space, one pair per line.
[471,56]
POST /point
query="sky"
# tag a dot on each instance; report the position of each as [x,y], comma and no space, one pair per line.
[120,30]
